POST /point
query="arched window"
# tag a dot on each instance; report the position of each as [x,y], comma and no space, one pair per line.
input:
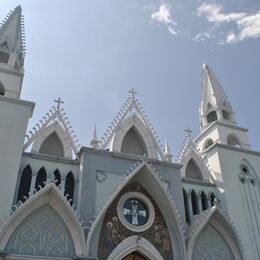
[233,141]
[2,89]
[133,143]
[204,201]
[208,143]
[225,114]
[194,203]
[213,199]
[57,178]
[212,116]
[25,184]
[186,206]
[193,171]
[4,57]
[40,179]
[69,187]
[52,145]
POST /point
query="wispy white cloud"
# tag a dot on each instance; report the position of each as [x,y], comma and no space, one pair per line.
[163,16]
[247,24]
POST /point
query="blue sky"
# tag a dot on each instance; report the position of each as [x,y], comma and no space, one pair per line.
[90,53]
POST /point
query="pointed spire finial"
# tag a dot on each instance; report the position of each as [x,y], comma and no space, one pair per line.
[59,102]
[133,93]
[167,151]
[11,33]
[94,141]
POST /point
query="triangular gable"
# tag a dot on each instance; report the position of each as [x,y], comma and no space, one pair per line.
[167,207]
[189,151]
[54,121]
[132,105]
[216,217]
[51,196]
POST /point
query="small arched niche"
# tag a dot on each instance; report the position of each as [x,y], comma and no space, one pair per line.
[2,89]
[226,114]
[233,141]
[52,145]
[4,57]
[193,171]
[212,116]
[133,143]
[208,143]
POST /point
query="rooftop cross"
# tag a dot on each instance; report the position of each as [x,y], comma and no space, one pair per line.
[59,102]
[133,93]
[189,131]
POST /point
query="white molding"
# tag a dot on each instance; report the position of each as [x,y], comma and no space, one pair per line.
[147,203]
[135,243]
[125,126]
[198,226]
[45,132]
[175,227]
[52,196]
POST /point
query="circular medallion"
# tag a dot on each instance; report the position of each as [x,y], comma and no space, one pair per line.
[135,211]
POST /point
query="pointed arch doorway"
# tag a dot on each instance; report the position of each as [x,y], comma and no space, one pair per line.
[135,256]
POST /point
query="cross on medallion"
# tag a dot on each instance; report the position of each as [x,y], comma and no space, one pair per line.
[189,131]
[59,102]
[133,93]
[134,212]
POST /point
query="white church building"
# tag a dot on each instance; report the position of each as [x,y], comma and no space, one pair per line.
[122,197]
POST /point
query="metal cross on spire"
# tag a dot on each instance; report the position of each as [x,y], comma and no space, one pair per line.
[59,102]
[188,131]
[133,93]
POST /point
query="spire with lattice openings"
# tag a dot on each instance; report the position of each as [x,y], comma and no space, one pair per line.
[12,34]
[214,104]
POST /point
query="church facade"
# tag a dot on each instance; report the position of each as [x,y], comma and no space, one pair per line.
[122,197]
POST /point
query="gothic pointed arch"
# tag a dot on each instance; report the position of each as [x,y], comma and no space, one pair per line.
[233,140]
[53,140]
[204,200]
[213,235]
[133,129]
[40,179]
[145,176]
[186,206]
[69,187]
[192,170]
[48,204]
[2,89]
[194,166]
[25,184]
[133,143]
[56,177]
[194,202]
[135,244]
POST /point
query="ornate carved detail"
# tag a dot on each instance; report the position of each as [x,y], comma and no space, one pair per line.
[101,176]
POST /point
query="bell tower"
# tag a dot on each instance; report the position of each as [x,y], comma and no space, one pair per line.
[14,112]
[217,119]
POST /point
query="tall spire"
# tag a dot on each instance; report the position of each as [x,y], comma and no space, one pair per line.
[213,104]
[167,152]
[94,141]
[12,34]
